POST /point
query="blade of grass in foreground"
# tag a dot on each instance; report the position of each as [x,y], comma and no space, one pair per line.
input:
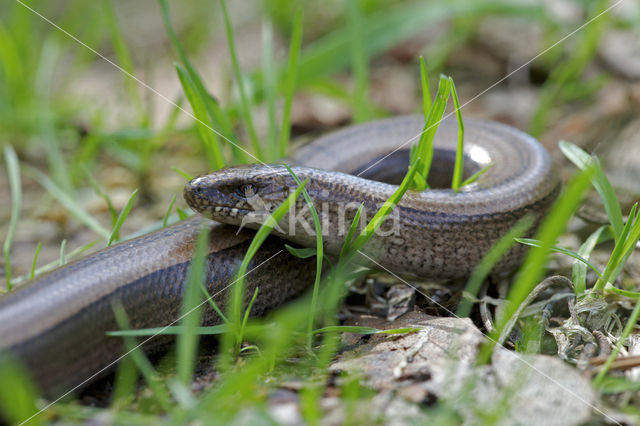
[458,169]
[624,245]
[366,330]
[426,90]
[352,230]
[277,342]
[424,148]
[359,62]
[583,161]
[52,265]
[115,233]
[172,330]
[96,187]
[319,257]
[142,362]
[556,249]
[124,59]
[216,114]
[483,269]
[290,79]
[533,266]
[270,87]
[204,125]
[579,269]
[70,204]
[245,103]
[378,219]
[390,26]
[334,290]
[18,394]
[35,261]
[231,342]
[165,219]
[13,170]
[124,384]
[191,310]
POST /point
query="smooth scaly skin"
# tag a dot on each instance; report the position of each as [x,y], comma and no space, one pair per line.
[434,233]
[56,325]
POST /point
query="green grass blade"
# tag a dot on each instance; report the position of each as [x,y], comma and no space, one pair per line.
[75,209]
[124,59]
[426,90]
[167,214]
[101,194]
[234,340]
[556,249]
[624,245]
[359,62]
[247,311]
[319,256]
[270,87]
[582,160]
[621,292]
[378,219]
[209,138]
[32,274]
[302,252]
[579,269]
[124,384]
[533,266]
[217,115]
[390,26]
[629,246]
[49,56]
[365,330]
[182,173]
[13,172]
[182,214]
[352,231]
[169,331]
[145,367]
[52,265]
[245,103]
[474,177]
[425,145]
[62,260]
[481,272]
[18,395]
[290,80]
[458,169]
[115,233]
[566,74]
[212,303]
[191,310]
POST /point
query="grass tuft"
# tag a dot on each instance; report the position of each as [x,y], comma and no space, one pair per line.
[359,62]
[536,259]
[232,341]
[245,103]
[115,233]
[290,81]
[319,257]
[424,148]
[191,311]
[13,171]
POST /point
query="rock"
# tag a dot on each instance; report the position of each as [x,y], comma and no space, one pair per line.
[438,363]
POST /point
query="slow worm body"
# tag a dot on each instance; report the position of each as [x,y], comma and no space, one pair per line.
[56,325]
[433,233]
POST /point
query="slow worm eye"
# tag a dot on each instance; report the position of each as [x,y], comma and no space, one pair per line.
[247,190]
